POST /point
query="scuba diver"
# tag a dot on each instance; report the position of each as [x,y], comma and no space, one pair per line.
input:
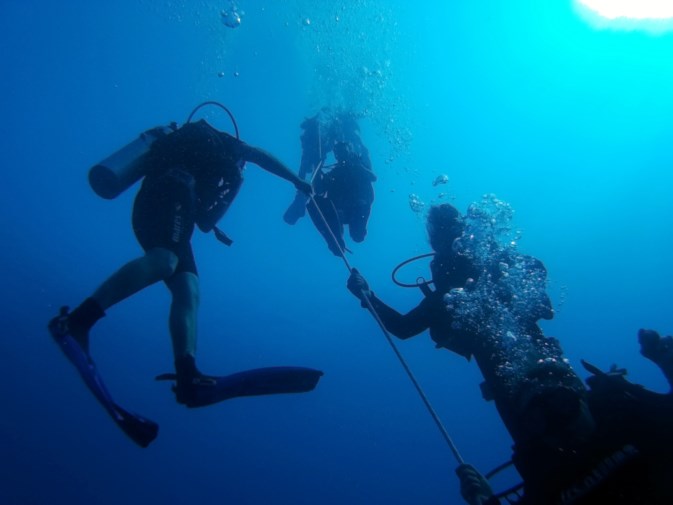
[624,458]
[486,304]
[470,328]
[344,190]
[191,175]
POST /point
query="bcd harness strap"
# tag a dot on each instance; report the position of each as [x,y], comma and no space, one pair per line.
[222,237]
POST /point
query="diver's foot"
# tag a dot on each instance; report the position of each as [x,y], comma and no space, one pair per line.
[60,327]
[189,391]
[296,210]
[189,382]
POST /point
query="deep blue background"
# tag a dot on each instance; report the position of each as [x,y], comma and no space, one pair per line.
[569,123]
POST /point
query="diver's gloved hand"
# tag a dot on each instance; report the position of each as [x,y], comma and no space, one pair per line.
[474,488]
[358,285]
[659,350]
[304,186]
[655,347]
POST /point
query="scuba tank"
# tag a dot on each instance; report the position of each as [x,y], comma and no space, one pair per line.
[123,168]
[119,171]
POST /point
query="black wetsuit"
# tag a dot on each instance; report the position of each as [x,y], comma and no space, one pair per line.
[626,460]
[194,175]
[450,271]
[345,196]
[541,402]
[344,192]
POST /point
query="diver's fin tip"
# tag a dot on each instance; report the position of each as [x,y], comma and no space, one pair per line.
[166,377]
[141,430]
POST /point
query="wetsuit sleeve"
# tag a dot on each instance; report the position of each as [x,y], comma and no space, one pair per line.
[269,163]
[403,325]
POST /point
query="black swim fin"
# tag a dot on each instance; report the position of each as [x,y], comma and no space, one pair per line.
[207,390]
[297,209]
[140,429]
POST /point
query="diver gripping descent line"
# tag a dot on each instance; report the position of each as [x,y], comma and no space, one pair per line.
[368,304]
[190,176]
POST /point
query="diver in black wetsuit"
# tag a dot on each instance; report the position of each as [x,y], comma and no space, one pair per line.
[626,458]
[458,274]
[344,196]
[562,437]
[193,174]
[344,191]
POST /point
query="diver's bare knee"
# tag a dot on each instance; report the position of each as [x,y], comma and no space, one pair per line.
[163,261]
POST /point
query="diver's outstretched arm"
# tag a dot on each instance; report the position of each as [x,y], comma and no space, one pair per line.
[401,325]
[270,163]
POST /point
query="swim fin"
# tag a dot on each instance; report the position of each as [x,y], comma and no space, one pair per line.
[207,390]
[140,429]
[297,208]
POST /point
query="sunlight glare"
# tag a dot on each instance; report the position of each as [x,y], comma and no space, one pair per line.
[631,9]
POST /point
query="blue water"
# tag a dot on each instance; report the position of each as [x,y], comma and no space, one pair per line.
[568,123]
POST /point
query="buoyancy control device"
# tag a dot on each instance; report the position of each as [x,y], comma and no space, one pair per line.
[123,168]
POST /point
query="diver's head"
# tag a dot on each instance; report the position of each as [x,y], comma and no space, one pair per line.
[444,225]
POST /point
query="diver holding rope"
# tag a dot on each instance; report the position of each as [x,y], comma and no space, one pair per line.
[190,176]
[344,190]
[609,443]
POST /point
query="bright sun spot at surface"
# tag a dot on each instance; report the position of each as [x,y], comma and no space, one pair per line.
[632,9]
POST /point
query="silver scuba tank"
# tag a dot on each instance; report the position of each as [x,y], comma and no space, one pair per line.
[119,171]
